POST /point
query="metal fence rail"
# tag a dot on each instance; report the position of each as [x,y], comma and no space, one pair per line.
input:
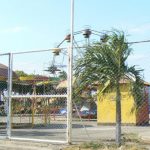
[36,108]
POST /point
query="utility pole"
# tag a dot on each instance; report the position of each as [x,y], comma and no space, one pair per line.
[70,77]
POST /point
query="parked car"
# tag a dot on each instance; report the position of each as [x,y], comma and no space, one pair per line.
[90,114]
[63,111]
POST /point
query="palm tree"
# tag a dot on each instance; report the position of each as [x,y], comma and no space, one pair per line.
[63,75]
[105,63]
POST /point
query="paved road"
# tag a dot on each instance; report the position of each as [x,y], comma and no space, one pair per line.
[82,131]
[57,131]
[20,145]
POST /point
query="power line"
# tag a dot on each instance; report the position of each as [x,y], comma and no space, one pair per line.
[137,42]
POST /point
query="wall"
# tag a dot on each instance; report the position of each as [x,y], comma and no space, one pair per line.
[106,113]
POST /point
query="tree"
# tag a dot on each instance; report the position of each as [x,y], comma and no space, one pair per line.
[21,73]
[63,75]
[105,63]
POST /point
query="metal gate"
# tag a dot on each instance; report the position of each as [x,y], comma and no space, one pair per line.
[34,102]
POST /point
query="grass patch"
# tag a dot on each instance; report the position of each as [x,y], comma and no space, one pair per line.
[92,145]
[130,141]
[102,146]
[130,137]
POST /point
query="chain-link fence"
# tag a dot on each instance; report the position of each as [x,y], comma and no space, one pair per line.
[4,94]
[37,108]
[111,102]
[39,100]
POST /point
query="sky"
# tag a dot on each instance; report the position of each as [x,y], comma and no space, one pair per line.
[27,25]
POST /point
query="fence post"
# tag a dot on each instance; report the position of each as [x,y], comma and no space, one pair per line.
[69,79]
[9,95]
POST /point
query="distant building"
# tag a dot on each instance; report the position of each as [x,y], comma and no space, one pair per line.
[106,108]
[4,73]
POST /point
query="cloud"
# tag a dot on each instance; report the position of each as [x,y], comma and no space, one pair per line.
[140,29]
[16,29]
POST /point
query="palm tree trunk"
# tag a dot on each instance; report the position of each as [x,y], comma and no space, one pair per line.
[118,114]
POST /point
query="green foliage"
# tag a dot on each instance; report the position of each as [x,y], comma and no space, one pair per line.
[130,145]
[130,137]
[104,63]
[63,75]
[21,73]
[93,145]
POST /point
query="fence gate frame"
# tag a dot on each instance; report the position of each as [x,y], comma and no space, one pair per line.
[6,96]
[10,97]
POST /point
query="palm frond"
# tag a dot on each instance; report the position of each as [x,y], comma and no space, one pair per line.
[104,62]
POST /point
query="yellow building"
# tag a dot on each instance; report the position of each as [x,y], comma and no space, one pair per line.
[106,108]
